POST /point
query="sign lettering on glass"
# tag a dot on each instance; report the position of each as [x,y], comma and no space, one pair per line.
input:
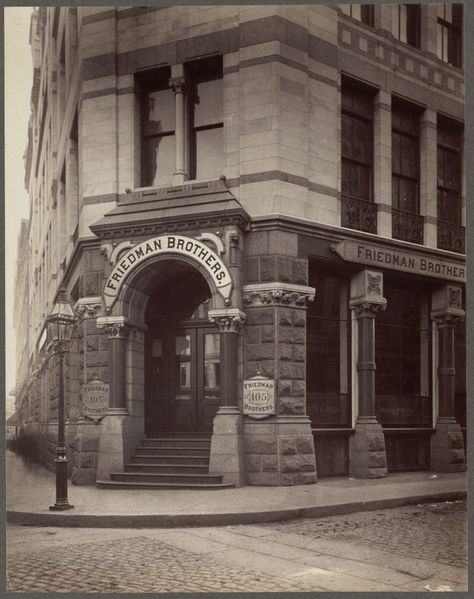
[259,397]
[95,399]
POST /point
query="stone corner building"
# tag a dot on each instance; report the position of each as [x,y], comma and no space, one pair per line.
[260,195]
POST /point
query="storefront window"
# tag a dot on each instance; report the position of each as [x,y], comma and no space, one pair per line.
[327,368]
[402,358]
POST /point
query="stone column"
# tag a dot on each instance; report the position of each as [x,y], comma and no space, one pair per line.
[227,455]
[367,445]
[113,442]
[280,448]
[383,162]
[177,83]
[447,444]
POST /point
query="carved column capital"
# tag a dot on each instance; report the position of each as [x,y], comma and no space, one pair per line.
[367,309]
[88,307]
[277,294]
[228,321]
[115,327]
[447,319]
[177,84]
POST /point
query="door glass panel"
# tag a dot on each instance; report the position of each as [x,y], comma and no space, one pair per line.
[183,362]
[212,380]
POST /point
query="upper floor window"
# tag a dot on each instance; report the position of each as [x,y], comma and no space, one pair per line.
[405,157]
[449,184]
[182,123]
[406,24]
[449,34]
[361,12]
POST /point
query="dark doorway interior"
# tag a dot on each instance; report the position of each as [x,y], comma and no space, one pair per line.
[182,354]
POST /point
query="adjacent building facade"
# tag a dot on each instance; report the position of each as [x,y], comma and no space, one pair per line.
[258,213]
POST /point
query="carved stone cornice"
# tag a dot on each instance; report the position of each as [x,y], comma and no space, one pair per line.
[228,321]
[367,309]
[88,307]
[115,327]
[277,294]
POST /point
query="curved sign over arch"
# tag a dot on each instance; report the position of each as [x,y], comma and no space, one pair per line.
[172,245]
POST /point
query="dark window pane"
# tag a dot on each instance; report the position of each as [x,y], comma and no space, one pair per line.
[346,135]
[160,112]
[362,146]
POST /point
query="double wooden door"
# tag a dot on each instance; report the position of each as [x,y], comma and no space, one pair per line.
[182,380]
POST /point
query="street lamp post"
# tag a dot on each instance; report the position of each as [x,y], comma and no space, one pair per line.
[61,324]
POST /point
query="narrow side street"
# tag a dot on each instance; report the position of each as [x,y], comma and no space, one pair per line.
[416,548]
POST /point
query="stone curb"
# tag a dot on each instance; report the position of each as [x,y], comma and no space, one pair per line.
[226,519]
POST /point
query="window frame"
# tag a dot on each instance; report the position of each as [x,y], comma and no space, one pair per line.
[455,151]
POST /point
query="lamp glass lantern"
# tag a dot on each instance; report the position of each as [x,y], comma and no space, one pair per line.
[61,321]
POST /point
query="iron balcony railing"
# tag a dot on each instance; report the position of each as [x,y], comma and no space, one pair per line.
[407,226]
[451,237]
[358,214]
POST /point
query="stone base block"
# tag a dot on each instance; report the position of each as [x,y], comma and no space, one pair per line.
[447,447]
[112,444]
[83,476]
[279,451]
[227,456]
[368,458]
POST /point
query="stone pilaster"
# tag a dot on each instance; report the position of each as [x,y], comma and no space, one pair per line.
[177,83]
[227,453]
[447,444]
[113,442]
[383,162]
[279,449]
[367,446]
[428,176]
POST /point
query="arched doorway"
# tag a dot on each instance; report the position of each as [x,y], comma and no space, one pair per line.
[182,353]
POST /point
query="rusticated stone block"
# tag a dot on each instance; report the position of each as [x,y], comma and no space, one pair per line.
[290,405]
[298,388]
[285,316]
[267,369]
[103,343]
[285,269]
[288,480]
[253,463]
[456,456]
[298,463]
[260,316]
[455,441]
[268,268]
[305,445]
[289,370]
[285,351]
[284,387]
[267,333]
[260,351]
[299,353]
[288,446]
[292,335]
[91,327]
[300,271]
[252,334]
[376,442]
[307,478]
[299,318]
[267,479]
[377,459]
[269,463]
[251,270]
[92,343]
[260,445]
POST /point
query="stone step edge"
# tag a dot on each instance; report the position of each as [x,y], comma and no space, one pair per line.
[116,484]
[187,457]
[161,474]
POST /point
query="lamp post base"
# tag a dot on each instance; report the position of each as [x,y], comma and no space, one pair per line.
[60,507]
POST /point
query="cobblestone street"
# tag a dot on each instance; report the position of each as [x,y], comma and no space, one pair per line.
[403,549]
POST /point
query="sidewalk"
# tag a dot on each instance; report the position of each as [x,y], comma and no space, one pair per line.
[31,490]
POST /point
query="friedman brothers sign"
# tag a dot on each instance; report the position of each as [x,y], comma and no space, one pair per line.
[168,244]
[416,263]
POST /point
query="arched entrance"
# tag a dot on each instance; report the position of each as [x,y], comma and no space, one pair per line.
[181,353]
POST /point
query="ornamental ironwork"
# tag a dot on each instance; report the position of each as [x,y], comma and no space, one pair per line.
[358,214]
[451,237]
[407,226]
